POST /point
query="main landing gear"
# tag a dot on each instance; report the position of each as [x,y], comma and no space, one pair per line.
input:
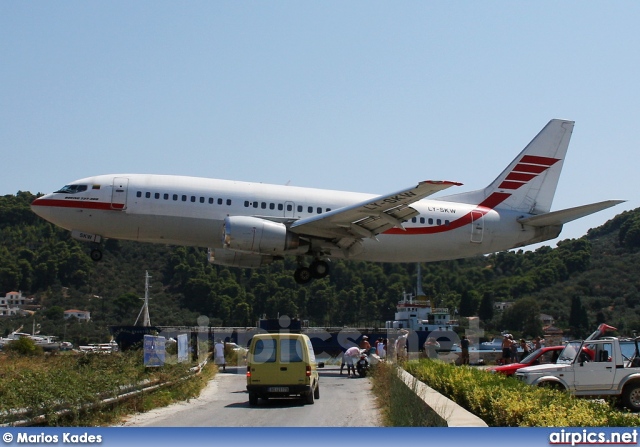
[317,270]
[96,253]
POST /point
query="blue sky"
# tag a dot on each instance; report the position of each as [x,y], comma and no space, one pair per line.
[363,96]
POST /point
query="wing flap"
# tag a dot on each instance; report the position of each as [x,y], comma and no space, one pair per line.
[563,216]
[369,218]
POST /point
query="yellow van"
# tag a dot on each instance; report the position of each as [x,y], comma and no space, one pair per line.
[282,365]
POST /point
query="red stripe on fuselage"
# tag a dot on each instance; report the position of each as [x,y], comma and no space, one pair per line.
[487,205]
[82,204]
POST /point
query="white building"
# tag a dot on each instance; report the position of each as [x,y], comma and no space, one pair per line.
[9,305]
[82,315]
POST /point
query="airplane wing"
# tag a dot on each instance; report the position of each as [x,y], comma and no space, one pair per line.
[369,218]
[563,216]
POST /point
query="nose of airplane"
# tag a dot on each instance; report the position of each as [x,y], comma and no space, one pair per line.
[41,208]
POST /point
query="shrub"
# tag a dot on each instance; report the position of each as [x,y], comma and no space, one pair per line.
[23,346]
[505,402]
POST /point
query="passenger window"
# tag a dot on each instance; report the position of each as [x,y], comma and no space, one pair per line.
[290,350]
[147,195]
[309,209]
[210,200]
[157,195]
[175,197]
[328,209]
[246,204]
[193,199]
[299,208]
[439,222]
[166,197]
[272,206]
[414,220]
[229,202]
[319,210]
[281,207]
[263,205]
[184,198]
[201,199]
[255,204]
[430,221]
[446,222]
[265,351]
[422,220]
[139,194]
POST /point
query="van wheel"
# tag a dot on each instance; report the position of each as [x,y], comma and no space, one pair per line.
[309,397]
[316,393]
[253,399]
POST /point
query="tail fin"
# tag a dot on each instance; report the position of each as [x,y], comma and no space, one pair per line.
[529,183]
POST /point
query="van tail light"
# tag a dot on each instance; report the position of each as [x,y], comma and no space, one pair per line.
[248,371]
[308,371]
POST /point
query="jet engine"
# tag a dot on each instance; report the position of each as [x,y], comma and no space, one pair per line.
[259,236]
[231,258]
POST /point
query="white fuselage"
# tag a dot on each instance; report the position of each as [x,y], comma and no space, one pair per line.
[190,211]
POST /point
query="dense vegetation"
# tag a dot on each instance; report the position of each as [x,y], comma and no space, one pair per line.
[491,398]
[580,283]
[77,390]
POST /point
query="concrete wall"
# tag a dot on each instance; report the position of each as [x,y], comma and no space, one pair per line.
[454,414]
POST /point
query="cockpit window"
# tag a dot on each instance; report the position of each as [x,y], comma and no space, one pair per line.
[72,189]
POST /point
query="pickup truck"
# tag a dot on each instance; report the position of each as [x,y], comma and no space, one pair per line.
[595,368]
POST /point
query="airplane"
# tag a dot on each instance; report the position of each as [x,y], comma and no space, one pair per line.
[253,224]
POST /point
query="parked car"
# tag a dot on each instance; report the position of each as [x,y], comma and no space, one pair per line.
[547,354]
[236,347]
[540,356]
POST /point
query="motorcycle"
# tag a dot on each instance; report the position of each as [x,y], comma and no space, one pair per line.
[362,365]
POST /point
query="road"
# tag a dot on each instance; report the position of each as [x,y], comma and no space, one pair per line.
[343,402]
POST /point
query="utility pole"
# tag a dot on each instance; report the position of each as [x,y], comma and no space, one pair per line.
[146,321]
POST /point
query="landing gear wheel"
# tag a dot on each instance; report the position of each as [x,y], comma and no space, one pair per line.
[319,269]
[96,255]
[302,275]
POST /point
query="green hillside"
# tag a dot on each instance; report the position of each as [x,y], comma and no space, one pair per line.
[580,283]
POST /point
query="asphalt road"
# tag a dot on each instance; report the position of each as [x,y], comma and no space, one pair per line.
[344,402]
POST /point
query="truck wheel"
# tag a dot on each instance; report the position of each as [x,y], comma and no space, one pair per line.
[551,386]
[316,393]
[253,399]
[631,396]
[309,397]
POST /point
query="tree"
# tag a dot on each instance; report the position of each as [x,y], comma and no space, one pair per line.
[485,310]
[578,318]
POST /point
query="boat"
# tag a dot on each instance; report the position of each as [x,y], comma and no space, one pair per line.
[493,345]
[46,342]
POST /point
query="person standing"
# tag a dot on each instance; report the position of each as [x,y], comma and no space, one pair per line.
[464,347]
[430,348]
[218,355]
[506,349]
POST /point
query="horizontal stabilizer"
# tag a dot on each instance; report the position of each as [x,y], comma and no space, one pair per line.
[563,216]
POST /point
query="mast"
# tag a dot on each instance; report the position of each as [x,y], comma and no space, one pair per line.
[419,291]
[146,320]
